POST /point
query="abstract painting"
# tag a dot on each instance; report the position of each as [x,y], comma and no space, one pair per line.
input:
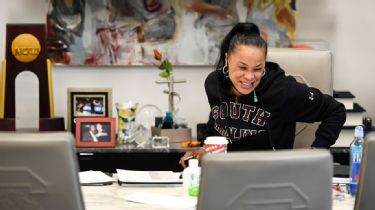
[188,32]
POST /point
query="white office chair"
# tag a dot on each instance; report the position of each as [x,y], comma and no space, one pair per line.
[313,67]
[366,188]
[39,171]
[289,179]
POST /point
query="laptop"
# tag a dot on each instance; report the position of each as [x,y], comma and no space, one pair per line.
[366,186]
[39,170]
[288,179]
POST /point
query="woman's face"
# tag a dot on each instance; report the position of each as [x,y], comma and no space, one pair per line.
[246,65]
[99,127]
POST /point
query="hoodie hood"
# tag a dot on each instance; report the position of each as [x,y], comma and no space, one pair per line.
[273,73]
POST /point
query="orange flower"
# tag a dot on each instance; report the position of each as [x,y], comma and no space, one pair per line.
[157,55]
[164,66]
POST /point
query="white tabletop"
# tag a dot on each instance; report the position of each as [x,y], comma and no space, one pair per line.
[113,197]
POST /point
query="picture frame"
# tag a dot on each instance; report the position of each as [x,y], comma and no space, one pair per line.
[95,132]
[88,103]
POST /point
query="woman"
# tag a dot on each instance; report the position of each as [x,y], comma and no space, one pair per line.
[256,106]
[101,134]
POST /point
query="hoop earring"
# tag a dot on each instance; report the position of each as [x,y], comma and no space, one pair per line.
[225,69]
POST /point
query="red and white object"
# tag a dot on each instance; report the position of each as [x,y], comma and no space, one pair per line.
[216,144]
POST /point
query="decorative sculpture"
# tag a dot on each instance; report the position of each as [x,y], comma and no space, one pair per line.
[166,71]
[170,92]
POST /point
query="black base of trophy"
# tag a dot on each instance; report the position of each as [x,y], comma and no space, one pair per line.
[8,124]
[52,124]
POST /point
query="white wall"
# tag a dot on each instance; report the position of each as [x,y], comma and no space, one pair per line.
[347,26]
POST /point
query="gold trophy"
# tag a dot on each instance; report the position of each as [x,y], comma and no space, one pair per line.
[26,50]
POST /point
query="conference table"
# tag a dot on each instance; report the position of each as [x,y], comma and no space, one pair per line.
[113,197]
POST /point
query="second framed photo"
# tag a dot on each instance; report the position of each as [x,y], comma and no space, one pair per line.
[88,103]
[95,132]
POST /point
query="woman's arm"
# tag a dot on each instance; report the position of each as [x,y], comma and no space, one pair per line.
[306,104]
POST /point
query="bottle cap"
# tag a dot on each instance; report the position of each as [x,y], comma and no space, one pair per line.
[216,140]
[358,132]
[193,163]
[168,114]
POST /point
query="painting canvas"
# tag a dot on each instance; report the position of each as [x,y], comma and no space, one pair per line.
[114,32]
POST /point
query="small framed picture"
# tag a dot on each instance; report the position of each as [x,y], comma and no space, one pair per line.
[95,132]
[88,103]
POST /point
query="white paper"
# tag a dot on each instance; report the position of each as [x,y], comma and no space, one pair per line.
[339,180]
[94,177]
[130,176]
[163,200]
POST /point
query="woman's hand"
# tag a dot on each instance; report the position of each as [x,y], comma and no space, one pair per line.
[197,154]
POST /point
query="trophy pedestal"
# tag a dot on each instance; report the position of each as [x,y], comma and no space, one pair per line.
[45,124]
[8,124]
[51,124]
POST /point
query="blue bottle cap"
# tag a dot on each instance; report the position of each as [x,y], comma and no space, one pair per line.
[168,114]
[358,132]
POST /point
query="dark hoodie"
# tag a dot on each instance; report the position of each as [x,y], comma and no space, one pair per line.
[271,122]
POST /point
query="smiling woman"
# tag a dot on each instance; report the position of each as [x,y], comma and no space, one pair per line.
[256,106]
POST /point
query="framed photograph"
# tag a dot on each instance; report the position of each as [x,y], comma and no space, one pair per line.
[88,103]
[95,132]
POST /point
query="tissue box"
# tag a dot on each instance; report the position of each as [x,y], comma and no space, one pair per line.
[175,135]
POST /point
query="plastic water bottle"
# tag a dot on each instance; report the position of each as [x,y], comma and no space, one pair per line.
[356,148]
[191,178]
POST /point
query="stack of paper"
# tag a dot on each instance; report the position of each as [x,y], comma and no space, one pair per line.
[340,180]
[94,178]
[148,177]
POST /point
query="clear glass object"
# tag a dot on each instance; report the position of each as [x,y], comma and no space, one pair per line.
[146,115]
[144,120]
[160,142]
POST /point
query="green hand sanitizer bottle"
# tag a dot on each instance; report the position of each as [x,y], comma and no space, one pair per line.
[192,177]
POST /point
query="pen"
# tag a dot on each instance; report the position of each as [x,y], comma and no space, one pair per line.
[188,157]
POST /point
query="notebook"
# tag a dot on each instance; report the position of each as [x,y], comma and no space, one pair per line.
[148,177]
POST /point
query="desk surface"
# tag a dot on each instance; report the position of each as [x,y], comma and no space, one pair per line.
[112,197]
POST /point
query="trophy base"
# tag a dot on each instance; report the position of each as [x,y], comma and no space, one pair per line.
[8,124]
[51,124]
[45,124]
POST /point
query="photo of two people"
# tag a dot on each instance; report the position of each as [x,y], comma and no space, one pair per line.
[89,106]
[95,132]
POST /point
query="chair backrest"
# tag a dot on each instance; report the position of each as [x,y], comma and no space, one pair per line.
[366,188]
[289,179]
[39,171]
[313,67]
